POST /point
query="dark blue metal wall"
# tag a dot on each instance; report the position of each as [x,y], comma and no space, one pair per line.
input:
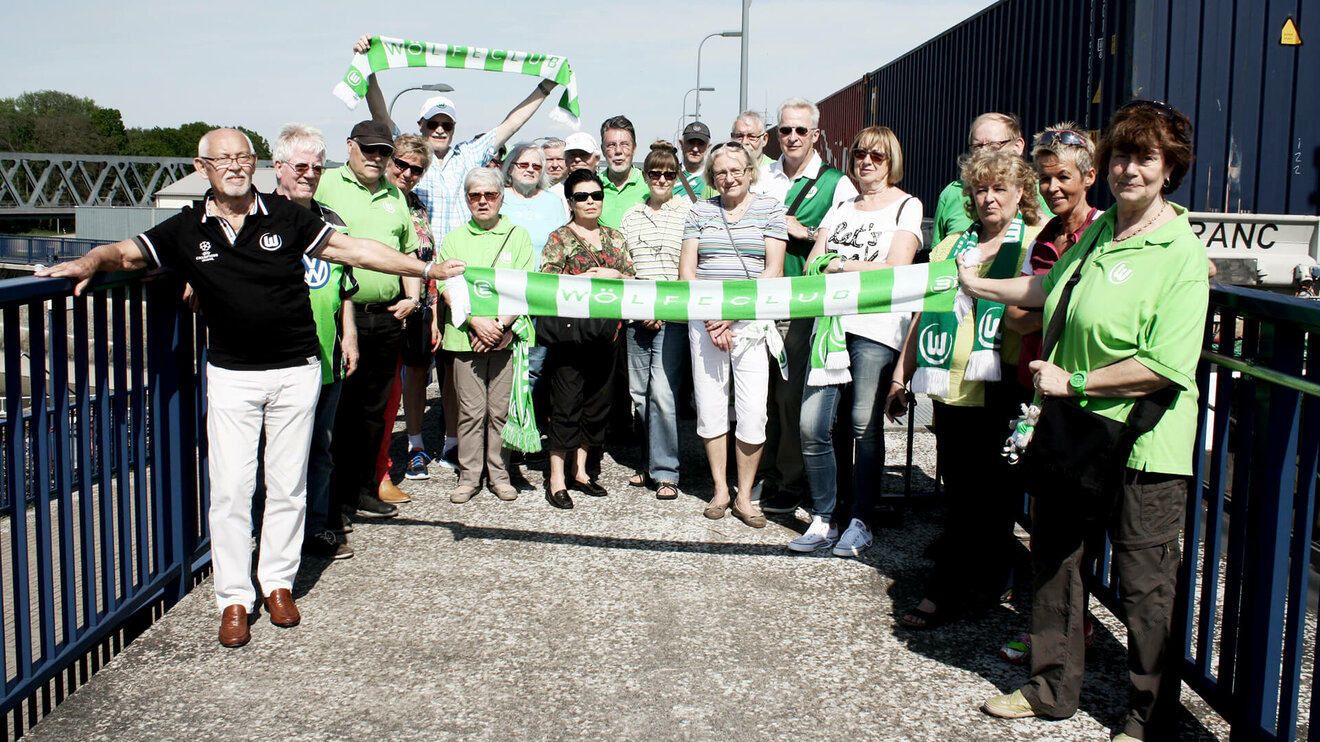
[1250,98]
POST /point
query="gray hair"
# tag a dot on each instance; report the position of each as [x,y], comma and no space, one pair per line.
[517,151]
[295,137]
[549,142]
[728,148]
[801,103]
[752,116]
[483,176]
[204,144]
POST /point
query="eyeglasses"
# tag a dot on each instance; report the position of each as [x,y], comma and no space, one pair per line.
[736,172]
[533,166]
[996,146]
[302,167]
[374,150]
[432,125]
[584,196]
[801,131]
[483,196]
[619,147]
[662,174]
[407,167]
[862,155]
[746,137]
[1063,136]
[246,160]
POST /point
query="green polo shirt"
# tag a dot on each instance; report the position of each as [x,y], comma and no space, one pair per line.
[479,247]
[618,200]
[1144,298]
[383,216]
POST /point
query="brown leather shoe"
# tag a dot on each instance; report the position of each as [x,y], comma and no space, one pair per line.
[389,492]
[234,626]
[283,612]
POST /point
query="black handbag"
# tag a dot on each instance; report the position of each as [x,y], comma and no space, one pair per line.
[1074,449]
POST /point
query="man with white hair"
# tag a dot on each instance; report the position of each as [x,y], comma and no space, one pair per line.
[299,154]
[556,166]
[243,255]
[808,187]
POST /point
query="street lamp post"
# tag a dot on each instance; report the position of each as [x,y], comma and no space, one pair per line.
[684,117]
[742,76]
[725,34]
[437,87]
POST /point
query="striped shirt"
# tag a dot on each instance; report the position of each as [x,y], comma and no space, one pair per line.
[441,186]
[655,238]
[719,259]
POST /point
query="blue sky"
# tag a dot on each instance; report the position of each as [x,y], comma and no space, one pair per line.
[264,64]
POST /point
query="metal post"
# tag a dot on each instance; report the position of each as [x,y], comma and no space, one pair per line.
[742,77]
[726,34]
[438,87]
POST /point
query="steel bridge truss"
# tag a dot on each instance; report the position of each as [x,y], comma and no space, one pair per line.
[50,184]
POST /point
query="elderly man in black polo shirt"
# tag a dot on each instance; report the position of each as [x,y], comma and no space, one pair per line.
[243,255]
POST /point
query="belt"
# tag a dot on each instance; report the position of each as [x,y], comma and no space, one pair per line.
[379,307]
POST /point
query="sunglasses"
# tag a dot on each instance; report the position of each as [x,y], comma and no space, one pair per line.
[533,166]
[408,167]
[662,174]
[1183,131]
[584,196]
[432,125]
[734,144]
[302,167]
[1063,136]
[483,196]
[375,150]
[801,131]
[862,155]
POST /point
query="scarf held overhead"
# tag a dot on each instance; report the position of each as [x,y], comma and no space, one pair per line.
[387,54]
[490,292]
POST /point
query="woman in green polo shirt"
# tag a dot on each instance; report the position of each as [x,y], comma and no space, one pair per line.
[1133,326]
[969,368]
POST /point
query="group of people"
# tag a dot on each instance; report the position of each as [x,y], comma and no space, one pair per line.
[326,308]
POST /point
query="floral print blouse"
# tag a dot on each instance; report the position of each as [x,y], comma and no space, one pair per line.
[568,254]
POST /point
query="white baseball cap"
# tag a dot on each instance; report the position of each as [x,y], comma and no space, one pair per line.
[581,140]
[438,106]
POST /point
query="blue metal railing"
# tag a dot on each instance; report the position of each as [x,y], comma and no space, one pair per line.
[45,250]
[101,466]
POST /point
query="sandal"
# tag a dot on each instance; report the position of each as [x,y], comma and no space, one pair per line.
[919,620]
[666,491]
[637,480]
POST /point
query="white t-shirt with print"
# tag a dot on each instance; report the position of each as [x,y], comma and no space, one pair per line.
[866,235]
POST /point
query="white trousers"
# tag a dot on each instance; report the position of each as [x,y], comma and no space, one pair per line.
[239,405]
[712,372]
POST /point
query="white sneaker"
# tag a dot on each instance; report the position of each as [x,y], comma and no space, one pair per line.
[855,540]
[820,536]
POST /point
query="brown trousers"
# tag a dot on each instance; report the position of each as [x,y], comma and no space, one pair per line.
[1144,526]
[483,382]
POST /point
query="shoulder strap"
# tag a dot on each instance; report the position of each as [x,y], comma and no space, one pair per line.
[1055,329]
[806,188]
[688,187]
[902,206]
[500,251]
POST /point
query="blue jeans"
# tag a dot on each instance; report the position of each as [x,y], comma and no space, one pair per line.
[655,367]
[320,462]
[872,366]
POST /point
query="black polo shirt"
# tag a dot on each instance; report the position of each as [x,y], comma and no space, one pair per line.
[251,284]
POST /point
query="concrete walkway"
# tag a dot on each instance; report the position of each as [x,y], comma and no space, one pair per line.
[625,618]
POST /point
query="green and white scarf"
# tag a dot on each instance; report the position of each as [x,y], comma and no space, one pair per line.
[938,334]
[520,431]
[829,346]
[489,292]
[388,54]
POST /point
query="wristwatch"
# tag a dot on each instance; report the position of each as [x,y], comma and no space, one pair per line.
[1078,384]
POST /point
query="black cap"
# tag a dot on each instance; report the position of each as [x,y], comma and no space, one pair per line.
[372,133]
[697,130]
